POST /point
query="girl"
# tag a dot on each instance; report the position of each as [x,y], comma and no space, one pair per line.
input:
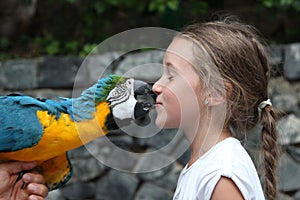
[214,84]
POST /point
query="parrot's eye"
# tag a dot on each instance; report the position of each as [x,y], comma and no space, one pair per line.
[129,81]
[115,93]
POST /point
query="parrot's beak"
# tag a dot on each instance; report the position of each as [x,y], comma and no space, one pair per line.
[144,95]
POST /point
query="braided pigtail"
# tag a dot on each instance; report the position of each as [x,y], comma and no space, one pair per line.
[270,150]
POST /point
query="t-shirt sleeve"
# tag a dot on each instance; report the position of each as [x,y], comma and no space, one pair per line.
[209,182]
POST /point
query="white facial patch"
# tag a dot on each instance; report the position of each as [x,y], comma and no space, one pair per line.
[122,100]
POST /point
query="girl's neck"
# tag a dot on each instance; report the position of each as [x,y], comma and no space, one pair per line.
[204,141]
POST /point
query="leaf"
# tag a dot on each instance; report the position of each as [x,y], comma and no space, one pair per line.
[173,5]
[53,48]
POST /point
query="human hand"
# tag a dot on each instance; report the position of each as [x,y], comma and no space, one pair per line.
[13,189]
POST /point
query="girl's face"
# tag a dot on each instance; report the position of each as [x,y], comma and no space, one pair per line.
[179,95]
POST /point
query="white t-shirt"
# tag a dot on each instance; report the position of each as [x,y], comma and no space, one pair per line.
[228,158]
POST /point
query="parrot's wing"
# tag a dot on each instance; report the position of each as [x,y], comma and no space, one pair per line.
[19,125]
[56,171]
[9,141]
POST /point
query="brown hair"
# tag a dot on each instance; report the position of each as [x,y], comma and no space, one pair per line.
[242,61]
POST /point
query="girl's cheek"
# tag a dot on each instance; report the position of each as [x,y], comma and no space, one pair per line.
[168,114]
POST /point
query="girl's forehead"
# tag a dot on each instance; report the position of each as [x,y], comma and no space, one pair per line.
[181,48]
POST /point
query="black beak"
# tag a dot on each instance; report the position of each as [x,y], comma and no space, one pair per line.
[144,94]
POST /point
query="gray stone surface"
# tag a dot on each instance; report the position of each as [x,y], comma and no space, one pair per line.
[145,65]
[86,169]
[283,95]
[284,197]
[286,103]
[294,152]
[59,72]
[116,185]
[297,196]
[292,61]
[78,191]
[55,195]
[123,161]
[158,140]
[98,65]
[48,93]
[275,54]
[153,165]
[276,59]
[19,74]
[169,180]
[288,128]
[151,191]
[288,173]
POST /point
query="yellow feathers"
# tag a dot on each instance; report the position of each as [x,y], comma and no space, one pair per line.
[62,134]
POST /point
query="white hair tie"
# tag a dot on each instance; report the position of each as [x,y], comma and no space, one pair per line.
[263,104]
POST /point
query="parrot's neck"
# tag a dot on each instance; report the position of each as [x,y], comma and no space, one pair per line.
[83,107]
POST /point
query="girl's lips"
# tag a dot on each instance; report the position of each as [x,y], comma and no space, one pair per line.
[158,105]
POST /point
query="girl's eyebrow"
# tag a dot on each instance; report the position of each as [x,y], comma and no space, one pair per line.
[168,64]
[170,68]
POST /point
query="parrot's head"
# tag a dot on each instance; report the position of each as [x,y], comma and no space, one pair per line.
[128,98]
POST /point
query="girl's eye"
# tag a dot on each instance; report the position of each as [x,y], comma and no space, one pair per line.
[170,78]
[169,73]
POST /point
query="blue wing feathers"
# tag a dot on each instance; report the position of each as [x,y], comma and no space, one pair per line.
[20,126]
[7,141]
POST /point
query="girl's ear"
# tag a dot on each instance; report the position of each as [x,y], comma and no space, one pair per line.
[218,97]
[215,99]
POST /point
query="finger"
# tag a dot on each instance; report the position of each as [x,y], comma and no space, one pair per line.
[35,197]
[16,167]
[28,165]
[37,189]
[33,178]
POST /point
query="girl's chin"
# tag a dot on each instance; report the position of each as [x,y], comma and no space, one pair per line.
[160,123]
[161,116]
[163,121]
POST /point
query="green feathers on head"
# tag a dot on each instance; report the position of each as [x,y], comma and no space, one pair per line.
[105,85]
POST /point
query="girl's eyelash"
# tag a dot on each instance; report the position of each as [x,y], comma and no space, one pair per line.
[169,73]
[170,77]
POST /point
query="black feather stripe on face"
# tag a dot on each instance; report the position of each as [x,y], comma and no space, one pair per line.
[119,94]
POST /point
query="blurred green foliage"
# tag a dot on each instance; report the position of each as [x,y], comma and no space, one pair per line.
[284,13]
[284,5]
[75,27]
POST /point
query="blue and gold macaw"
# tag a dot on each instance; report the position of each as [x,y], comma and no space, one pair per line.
[43,130]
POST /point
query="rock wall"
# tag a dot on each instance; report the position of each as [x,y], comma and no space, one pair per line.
[119,166]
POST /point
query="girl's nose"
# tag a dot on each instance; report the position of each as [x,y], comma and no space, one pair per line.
[157,88]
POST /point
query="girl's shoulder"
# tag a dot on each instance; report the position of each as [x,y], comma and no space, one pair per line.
[223,158]
[228,159]
[228,149]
